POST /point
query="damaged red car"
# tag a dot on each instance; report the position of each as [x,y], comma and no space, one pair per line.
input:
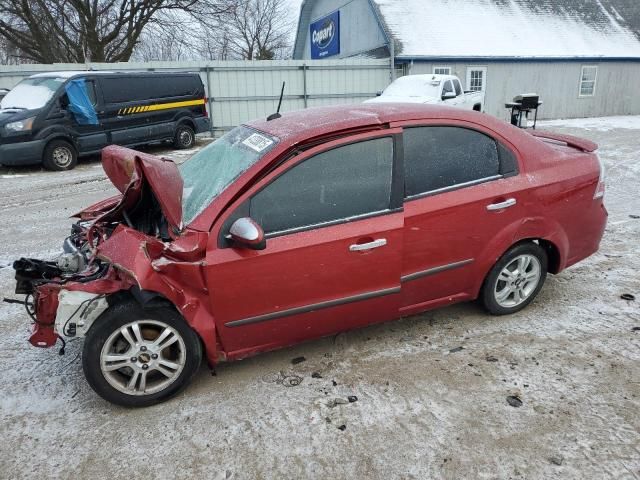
[307,225]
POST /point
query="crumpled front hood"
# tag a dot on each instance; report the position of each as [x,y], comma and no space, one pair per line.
[393,99]
[130,170]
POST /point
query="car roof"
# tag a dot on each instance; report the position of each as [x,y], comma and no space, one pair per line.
[296,127]
[75,73]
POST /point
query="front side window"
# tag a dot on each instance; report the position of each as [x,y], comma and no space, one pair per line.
[448,88]
[215,167]
[588,79]
[344,182]
[441,157]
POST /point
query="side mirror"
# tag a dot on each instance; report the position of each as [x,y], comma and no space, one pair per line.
[448,95]
[248,234]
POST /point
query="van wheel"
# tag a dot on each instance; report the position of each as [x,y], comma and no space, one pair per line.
[138,357]
[184,137]
[515,280]
[59,155]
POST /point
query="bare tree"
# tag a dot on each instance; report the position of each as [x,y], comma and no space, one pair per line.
[254,30]
[48,31]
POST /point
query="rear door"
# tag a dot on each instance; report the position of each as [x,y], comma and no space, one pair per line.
[334,248]
[463,198]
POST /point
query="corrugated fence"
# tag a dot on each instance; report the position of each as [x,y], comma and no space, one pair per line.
[239,91]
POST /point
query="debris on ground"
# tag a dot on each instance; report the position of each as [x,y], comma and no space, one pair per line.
[298,360]
[556,459]
[457,349]
[628,296]
[316,375]
[491,358]
[334,402]
[292,381]
[635,217]
[514,401]
[342,427]
[352,398]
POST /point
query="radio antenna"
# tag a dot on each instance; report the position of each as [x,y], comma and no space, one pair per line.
[276,115]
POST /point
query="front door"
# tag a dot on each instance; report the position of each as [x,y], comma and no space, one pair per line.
[333,255]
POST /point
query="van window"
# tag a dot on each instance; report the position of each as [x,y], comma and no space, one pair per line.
[32,93]
[338,184]
[139,88]
[442,157]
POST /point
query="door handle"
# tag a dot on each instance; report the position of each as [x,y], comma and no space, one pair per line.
[359,247]
[499,206]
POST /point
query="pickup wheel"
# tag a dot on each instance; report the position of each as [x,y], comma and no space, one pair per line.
[515,280]
[184,137]
[138,357]
[59,155]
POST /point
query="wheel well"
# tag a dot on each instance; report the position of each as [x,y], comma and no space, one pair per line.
[186,121]
[477,107]
[553,254]
[63,138]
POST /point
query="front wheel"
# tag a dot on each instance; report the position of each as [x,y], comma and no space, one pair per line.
[137,357]
[515,280]
[59,155]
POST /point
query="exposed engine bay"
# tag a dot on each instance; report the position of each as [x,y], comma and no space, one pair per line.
[133,243]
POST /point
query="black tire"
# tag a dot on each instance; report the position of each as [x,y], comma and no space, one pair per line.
[494,286]
[184,137]
[59,155]
[107,326]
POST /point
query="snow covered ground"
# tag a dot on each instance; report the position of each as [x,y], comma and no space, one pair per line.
[424,409]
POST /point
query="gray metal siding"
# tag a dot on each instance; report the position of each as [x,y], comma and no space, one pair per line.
[558,85]
[244,90]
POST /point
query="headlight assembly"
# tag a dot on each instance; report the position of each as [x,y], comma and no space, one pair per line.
[21,125]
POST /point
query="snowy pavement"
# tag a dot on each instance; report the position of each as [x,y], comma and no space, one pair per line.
[425,407]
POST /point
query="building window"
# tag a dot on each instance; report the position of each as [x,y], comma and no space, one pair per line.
[476,79]
[440,70]
[588,79]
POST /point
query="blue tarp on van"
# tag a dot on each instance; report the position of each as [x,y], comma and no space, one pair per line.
[79,103]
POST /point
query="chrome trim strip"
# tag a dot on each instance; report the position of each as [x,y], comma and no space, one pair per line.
[454,187]
[433,271]
[313,307]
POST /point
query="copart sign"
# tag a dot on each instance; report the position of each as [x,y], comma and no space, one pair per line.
[325,36]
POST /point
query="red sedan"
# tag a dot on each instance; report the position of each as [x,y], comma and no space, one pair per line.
[321,221]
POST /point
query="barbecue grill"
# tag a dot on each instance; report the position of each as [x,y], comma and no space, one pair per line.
[521,106]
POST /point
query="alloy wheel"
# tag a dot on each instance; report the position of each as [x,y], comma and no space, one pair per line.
[143,357]
[517,281]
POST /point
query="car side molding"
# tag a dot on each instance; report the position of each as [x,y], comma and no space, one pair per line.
[433,271]
[313,307]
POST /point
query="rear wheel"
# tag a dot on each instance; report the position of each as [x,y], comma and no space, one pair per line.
[515,280]
[138,357]
[184,137]
[59,155]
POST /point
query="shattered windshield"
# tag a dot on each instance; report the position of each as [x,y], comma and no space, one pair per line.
[31,93]
[210,171]
[413,87]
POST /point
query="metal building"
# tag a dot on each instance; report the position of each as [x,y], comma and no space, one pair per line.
[581,56]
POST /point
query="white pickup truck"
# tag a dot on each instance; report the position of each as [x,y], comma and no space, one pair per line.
[445,89]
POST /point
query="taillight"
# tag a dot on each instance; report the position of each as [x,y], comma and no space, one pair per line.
[601,183]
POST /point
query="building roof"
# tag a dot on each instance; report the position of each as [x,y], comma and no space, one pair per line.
[507,29]
[513,28]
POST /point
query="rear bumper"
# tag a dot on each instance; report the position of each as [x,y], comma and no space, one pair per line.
[22,153]
[203,124]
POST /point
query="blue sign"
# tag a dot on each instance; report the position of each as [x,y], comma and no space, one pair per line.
[325,36]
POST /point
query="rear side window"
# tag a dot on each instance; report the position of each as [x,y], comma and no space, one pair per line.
[442,157]
[344,182]
[138,88]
